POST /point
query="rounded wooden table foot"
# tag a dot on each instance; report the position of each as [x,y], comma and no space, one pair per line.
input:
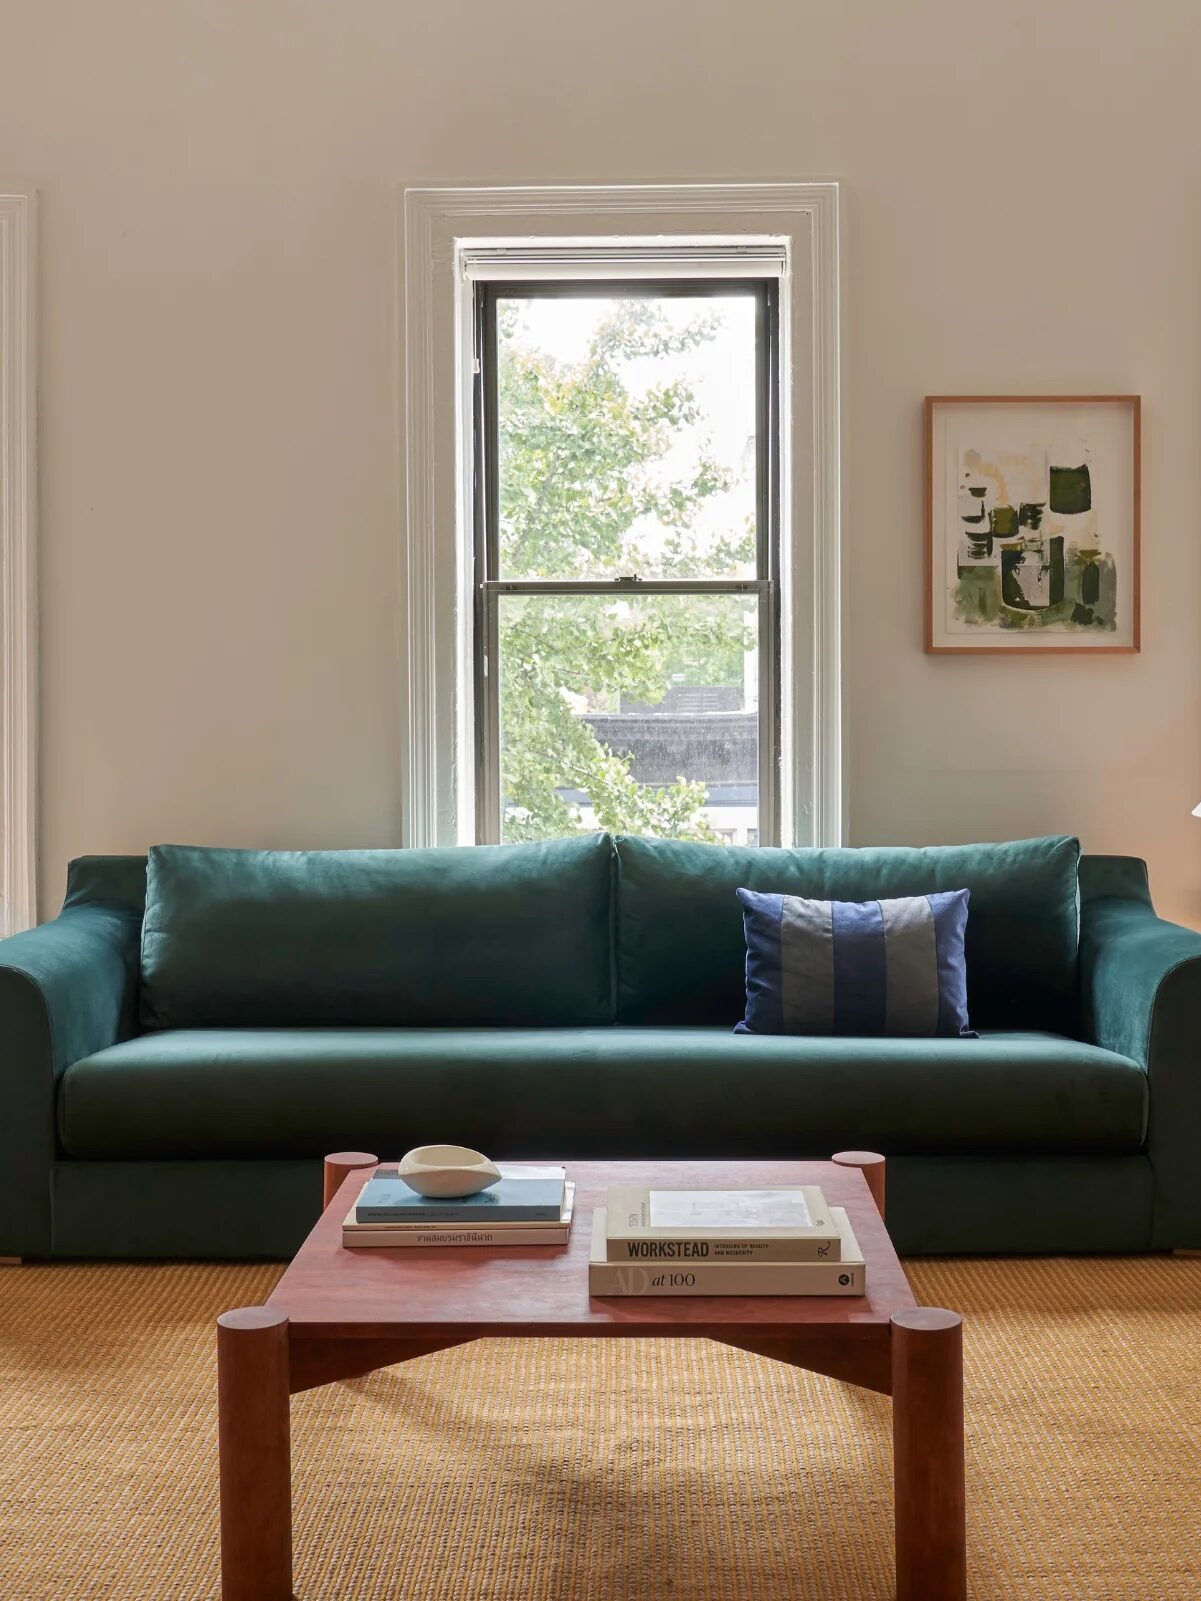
[254,1449]
[927,1443]
[872,1165]
[339,1165]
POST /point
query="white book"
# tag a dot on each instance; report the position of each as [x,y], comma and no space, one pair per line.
[788,1224]
[845,1277]
[406,1236]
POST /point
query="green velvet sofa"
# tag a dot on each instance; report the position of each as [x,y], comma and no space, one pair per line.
[183,1043]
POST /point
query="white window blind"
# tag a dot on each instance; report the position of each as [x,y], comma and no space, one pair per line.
[515,260]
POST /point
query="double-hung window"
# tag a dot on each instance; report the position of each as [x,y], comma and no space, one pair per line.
[626,553]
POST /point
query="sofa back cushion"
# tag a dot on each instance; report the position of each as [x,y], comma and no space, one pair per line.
[681,953]
[490,936]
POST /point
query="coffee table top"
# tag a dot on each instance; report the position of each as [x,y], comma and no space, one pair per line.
[470,1291]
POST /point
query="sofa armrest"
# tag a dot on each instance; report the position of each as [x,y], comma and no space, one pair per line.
[1141,996]
[67,989]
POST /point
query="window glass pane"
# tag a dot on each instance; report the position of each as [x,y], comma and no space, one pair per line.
[638,715]
[626,436]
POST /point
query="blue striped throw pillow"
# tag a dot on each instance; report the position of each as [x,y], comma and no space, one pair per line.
[855,967]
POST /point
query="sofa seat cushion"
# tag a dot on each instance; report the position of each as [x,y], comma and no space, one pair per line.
[576,1092]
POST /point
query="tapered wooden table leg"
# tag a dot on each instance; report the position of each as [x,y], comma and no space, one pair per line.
[927,1447]
[872,1166]
[338,1166]
[253,1437]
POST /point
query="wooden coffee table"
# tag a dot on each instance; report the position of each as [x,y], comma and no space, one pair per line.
[338,1313]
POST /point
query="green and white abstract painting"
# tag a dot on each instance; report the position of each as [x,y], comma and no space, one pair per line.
[1033,524]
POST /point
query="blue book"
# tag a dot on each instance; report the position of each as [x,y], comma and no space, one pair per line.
[511,1200]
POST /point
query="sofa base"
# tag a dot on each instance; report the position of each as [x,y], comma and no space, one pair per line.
[1009,1206]
[237,1211]
[937,1206]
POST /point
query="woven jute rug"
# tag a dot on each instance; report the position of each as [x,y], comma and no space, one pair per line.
[605,1471]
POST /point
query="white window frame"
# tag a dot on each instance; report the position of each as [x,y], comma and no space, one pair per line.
[758,274]
[438,227]
[18,562]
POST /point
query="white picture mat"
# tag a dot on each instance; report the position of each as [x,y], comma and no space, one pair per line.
[1102,429]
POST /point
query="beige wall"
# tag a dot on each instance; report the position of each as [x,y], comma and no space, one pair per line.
[219,477]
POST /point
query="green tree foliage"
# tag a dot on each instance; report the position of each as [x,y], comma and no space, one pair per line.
[578,453]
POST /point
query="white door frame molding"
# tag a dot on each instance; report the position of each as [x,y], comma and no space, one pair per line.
[18,560]
[435,224]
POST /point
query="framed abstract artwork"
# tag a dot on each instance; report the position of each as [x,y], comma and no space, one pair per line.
[1032,523]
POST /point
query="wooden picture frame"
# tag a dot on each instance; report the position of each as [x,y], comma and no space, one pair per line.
[1049,562]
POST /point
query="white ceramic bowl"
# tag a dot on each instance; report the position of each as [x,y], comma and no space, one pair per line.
[447,1170]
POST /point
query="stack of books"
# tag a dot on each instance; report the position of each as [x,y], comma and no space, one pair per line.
[531,1205]
[723,1242]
